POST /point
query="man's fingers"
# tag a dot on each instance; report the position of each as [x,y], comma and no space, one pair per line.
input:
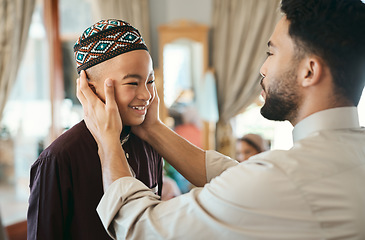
[157,98]
[109,93]
[81,97]
[79,94]
[156,101]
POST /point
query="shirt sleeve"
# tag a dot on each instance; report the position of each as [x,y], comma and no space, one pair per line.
[216,163]
[241,203]
[50,193]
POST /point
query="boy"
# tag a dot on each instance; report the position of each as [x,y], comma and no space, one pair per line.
[66,180]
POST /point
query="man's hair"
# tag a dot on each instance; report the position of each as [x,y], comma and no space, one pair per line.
[334,30]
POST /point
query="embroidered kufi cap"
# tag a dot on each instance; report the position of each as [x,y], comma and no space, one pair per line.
[104,40]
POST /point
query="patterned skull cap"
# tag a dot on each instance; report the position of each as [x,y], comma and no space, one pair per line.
[104,40]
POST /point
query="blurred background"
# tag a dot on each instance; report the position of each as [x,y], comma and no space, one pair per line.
[207,55]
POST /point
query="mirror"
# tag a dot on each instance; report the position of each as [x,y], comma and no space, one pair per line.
[182,70]
[184,60]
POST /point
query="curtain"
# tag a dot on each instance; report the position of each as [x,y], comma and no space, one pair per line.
[241,29]
[15,17]
[134,12]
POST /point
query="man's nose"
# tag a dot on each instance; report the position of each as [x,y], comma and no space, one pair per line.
[262,72]
[262,77]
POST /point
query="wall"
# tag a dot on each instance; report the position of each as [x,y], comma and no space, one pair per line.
[166,11]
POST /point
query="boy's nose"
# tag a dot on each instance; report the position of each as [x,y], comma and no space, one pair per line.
[143,93]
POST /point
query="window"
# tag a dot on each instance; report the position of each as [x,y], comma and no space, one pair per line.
[27,114]
[26,121]
[251,121]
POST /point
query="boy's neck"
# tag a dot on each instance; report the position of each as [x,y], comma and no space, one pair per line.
[126,130]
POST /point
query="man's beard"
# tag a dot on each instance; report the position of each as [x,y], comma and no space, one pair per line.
[282,100]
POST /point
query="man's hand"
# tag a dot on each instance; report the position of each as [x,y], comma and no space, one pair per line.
[188,159]
[151,121]
[105,124]
[103,120]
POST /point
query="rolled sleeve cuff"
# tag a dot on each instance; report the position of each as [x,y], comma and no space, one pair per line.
[216,163]
[118,194]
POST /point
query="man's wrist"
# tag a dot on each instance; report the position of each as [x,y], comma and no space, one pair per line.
[114,165]
[109,149]
[153,130]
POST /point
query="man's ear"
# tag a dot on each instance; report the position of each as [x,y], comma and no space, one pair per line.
[311,71]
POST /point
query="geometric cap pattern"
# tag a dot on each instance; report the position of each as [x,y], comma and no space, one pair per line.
[104,40]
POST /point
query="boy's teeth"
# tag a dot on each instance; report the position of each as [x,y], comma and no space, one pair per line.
[138,108]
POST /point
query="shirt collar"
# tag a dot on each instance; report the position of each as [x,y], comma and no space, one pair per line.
[334,118]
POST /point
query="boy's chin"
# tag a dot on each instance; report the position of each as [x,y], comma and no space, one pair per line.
[134,122]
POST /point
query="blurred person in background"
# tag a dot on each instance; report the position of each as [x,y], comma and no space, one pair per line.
[250,145]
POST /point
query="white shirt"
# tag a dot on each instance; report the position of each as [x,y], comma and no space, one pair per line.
[315,190]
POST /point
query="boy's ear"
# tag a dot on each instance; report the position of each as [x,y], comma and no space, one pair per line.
[92,88]
[90,84]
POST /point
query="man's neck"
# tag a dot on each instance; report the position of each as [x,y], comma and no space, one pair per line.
[317,108]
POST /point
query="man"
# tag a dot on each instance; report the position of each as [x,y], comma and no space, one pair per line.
[313,77]
[66,180]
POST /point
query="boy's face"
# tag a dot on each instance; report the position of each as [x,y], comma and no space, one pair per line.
[133,77]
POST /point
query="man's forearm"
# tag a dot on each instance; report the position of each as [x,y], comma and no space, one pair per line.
[113,162]
[185,157]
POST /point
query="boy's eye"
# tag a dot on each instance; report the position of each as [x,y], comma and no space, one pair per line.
[268,54]
[151,81]
[133,83]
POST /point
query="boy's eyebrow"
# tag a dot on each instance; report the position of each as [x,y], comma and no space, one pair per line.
[129,75]
[134,75]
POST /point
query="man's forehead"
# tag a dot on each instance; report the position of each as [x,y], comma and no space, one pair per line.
[280,36]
